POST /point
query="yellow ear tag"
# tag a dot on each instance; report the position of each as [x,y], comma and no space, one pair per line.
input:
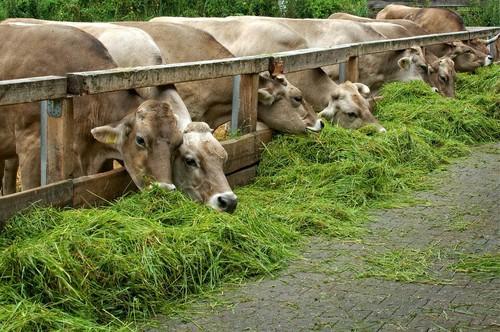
[110,139]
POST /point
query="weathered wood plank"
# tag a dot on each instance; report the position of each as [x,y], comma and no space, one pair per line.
[242,177]
[247,115]
[60,143]
[245,150]
[57,194]
[318,57]
[352,69]
[125,78]
[314,57]
[32,89]
[99,189]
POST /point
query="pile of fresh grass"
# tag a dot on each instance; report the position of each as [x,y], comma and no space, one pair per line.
[108,268]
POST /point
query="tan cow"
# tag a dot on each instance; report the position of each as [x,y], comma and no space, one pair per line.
[29,51]
[440,72]
[147,53]
[434,20]
[131,47]
[8,172]
[439,20]
[316,86]
[198,168]
[374,69]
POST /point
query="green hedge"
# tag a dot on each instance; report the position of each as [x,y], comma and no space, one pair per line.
[112,10]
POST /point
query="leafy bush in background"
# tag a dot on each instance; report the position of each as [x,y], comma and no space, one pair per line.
[324,8]
[111,10]
[482,13]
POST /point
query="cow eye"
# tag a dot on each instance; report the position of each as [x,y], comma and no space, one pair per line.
[298,99]
[140,141]
[190,162]
[443,78]
[423,67]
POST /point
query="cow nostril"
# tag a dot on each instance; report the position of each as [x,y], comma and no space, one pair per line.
[227,204]
[322,124]
[222,202]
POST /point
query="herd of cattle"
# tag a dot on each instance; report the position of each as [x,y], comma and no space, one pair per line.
[163,134]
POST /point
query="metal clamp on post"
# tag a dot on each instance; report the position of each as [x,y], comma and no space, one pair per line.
[54,108]
[276,67]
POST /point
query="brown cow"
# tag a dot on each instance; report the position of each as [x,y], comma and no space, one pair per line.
[437,20]
[440,74]
[8,172]
[283,114]
[262,37]
[29,51]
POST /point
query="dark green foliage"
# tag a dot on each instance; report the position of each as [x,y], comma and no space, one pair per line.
[117,10]
[324,8]
[481,13]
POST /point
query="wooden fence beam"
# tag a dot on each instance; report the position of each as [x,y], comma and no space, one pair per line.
[352,69]
[60,132]
[98,189]
[32,89]
[100,81]
[57,194]
[247,115]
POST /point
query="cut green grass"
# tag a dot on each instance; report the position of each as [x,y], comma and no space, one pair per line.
[108,268]
[406,265]
[482,266]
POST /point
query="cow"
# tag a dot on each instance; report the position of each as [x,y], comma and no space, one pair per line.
[316,86]
[374,69]
[109,135]
[8,172]
[211,102]
[465,57]
[438,20]
[29,51]
[440,74]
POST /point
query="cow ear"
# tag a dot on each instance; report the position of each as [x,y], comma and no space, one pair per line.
[363,89]
[108,134]
[404,63]
[265,97]
[281,79]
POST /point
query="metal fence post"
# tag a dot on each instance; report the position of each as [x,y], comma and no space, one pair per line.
[342,72]
[43,141]
[235,104]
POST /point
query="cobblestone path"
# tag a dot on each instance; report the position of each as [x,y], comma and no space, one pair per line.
[325,290]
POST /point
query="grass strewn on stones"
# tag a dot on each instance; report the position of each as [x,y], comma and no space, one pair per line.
[483,266]
[406,265]
[108,268]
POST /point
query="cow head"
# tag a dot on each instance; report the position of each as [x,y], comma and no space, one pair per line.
[442,76]
[145,141]
[282,108]
[412,65]
[199,168]
[467,58]
[349,107]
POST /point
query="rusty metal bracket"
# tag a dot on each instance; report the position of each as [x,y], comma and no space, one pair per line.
[276,67]
[54,108]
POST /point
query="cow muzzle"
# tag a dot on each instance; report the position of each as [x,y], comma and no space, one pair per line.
[318,126]
[225,202]
[489,60]
[163,185]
